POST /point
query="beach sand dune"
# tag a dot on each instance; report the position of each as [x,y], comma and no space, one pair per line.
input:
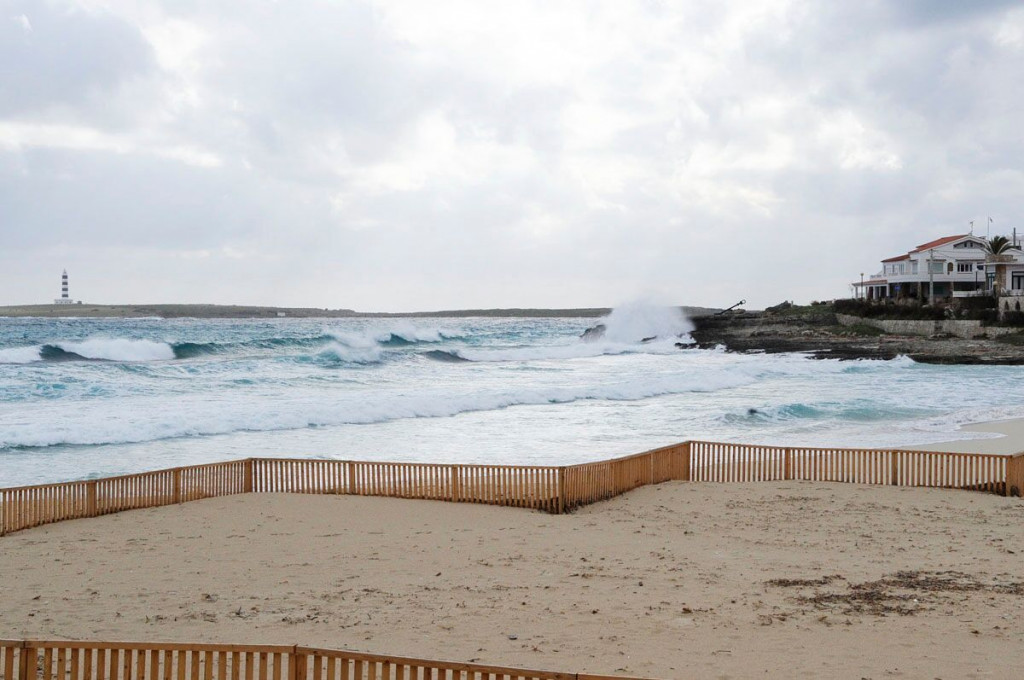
[787,579]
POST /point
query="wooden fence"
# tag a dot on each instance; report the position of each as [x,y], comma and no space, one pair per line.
[551,489]
[66,660]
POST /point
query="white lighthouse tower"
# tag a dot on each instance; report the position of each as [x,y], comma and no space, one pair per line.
[64,299]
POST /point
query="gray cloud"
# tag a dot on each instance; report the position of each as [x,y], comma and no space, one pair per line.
[393,155]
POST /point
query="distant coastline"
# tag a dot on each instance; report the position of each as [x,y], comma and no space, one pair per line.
[203,311]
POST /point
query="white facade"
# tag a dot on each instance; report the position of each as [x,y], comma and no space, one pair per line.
[953,266]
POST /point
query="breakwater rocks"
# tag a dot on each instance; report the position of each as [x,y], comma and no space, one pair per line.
[821,333]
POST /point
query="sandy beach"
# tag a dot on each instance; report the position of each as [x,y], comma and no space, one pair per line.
[1010,439]
[786,579]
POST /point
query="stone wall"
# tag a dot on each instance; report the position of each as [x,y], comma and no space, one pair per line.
[959,328]
[1010,303]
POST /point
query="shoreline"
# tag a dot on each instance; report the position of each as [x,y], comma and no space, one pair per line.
[1009,441]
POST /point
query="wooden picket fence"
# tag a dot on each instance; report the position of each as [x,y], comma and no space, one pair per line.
[551,489]
[67,660]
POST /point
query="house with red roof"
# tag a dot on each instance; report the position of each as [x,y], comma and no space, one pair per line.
[948,267]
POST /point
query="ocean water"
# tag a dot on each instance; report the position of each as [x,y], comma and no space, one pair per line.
[82,398]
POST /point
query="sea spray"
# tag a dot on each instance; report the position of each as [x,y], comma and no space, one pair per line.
[642,321]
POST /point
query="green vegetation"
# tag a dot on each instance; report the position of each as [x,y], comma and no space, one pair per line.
[815,310]
[870,310]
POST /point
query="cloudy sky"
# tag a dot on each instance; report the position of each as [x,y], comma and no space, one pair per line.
[410,155]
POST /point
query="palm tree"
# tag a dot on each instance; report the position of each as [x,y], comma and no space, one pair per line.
[995,254]
[997,245]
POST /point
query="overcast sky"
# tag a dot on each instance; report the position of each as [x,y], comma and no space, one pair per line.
[412,155]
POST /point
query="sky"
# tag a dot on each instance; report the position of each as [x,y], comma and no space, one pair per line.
[402,155]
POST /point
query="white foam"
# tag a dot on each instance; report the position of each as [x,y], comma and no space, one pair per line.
[407,331]
[575,350]
[119,349]
[635,321]
[356,355]
[20,355]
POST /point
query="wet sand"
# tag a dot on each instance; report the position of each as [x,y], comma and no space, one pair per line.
[1009,441]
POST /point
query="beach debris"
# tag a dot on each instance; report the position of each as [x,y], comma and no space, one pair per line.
[802,582]
[903,593]
[513,637]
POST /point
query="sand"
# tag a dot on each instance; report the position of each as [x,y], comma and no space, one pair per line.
[777,580]
[1009,441]
[669,581]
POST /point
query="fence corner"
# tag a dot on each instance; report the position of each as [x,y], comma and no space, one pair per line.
[686,463]
[1014,485]
[248,476]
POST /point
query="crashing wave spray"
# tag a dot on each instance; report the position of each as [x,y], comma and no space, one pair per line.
[641,322]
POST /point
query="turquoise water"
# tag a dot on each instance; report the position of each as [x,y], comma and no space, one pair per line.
[93,397]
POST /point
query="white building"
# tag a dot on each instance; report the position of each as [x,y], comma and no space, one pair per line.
[952,266]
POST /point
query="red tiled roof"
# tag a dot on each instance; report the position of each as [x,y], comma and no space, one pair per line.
[897,258]
[938,242]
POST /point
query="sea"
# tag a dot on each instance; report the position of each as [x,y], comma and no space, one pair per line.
[84,398]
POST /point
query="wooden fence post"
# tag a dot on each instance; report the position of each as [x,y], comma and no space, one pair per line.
[90,498]
[297,665]
[351,466]
[685,463]
[177,485]
[248,470]
[894,463]
[789,463]
[1014,475]
[561,490]
[453,470]
[27,667]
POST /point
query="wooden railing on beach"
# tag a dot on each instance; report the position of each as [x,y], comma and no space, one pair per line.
[67,660]
[551,489]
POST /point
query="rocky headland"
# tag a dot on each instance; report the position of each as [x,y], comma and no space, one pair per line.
[819,331]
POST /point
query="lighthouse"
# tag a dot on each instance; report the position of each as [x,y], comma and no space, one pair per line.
[64,299]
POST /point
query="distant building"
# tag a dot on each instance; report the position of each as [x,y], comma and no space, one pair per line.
[948,267]
[64,299]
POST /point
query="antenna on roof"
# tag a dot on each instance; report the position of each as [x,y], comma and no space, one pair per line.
[972,227]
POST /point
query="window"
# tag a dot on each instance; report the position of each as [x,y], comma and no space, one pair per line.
[936,267]
[964,267]
[913,267]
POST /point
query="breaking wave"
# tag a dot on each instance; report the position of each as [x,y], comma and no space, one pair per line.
[94,349]
[577,350]
[160,420]
[328,343]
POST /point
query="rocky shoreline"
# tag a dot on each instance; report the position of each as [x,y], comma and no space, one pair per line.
[818,333]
